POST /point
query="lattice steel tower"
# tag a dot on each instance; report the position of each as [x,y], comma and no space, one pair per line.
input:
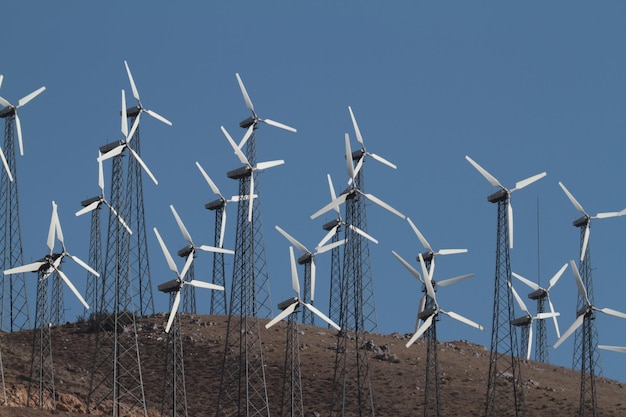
[503,358]
[14,314]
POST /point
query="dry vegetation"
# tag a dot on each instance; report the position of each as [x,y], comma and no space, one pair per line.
[397,373]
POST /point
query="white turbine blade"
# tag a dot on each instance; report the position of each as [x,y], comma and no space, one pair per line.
[579,282]
[124,122]
[132,83]
[222,229]
[543,316]
[6,165]
[330,246]
[119,218]
[613,348]
[519,300]
[295,282]
[269,164]
[181,226]
[419,235]
[166,253]
[250,199]
[207,285]
[349,166]
[420,331]
[170,320]
[427,280]
[422,306]
[1,78]
[282,315]
[158,117]
[450,251]
[240,155]
[357,167]
[322,316]
[357,131]
[313,268]
[462,319]
[408,266]
[454,280]
[335,203]
[362,233]
[246,136]
[57,224]
[209,181]
[510,216]
[328,236]
[32,267]
[4,102]
[577,323]
[143,165]
[279,125]
[244,92]
[30,96]
[530,341]
[18,126]
[492,180]
[612,312]
[88,208]
[556,323]
[187,265]
[207,248]
[382,160]
[525,183]
[526,281]
[100,173]
[607,215]
[382,204]
[333,196]
[556,276]
[572,199]
[52,229]
[583,250]
[84,265]
[133,128]
[72,287]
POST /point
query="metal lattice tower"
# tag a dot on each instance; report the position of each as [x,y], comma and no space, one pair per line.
[541,345]
[432,384]
[57,302]
[352,390]
[42,370]
[189,291]
[334,304]
[93,288]
[218,300]
[586,355]
[139,266]
[243,389]
[174,398]
[504,362]
[291,404]
[116,372]
[14,297]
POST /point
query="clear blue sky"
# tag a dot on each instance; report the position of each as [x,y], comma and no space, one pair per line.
[520,88]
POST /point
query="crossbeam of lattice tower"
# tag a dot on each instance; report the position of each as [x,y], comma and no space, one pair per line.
[14,294]
[116,371]
[503,357]
[243,389]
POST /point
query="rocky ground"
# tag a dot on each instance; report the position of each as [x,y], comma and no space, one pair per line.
[396,373]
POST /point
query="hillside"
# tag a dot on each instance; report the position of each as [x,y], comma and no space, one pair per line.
[397,373]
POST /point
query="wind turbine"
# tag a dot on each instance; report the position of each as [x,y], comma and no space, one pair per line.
[177,284]
[248,169]
[585,220]
[308,260]
[118,147]
[139,108]
[353,191]
[251,122]
[11,110]
[51,262]
[505,193]
[527,320]
[95,202]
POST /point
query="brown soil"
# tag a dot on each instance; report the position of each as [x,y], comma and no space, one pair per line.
[396,373]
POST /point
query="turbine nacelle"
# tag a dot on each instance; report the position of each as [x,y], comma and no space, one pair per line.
[500,195]
[423,315]
[522,321]
[538,294]
[581,221]
[184,252]
[170,286]
[248,122]
[91,200]
[215,204]
[110,146]
[239,173]
[307,258]
[7,112]
[331,225]
[283,305]
[133,111]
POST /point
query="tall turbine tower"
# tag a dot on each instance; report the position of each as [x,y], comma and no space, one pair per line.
[586,356]
[504,351]
[432,392]
[291,398]
[243,389]
[584,317]
[14,314]
[138,246]
[351,383]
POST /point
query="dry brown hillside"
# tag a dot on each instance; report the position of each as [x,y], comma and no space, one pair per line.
[397,373]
